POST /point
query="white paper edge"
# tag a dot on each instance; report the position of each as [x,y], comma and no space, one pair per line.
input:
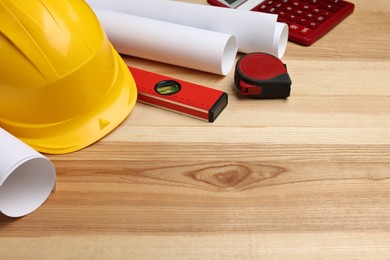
[170,43]
[254,31]
[26,177]
[280,39]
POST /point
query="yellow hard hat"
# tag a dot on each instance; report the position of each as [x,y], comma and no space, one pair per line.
[62,84]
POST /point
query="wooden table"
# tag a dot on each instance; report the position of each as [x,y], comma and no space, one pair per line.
[302,178]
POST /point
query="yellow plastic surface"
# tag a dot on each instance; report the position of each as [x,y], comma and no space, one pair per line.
[62,84]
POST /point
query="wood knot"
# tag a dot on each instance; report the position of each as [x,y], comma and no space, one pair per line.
[234,176]
[224,177]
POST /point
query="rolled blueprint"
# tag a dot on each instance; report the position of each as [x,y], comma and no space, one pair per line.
[254,31]
[175,44]
[26,177]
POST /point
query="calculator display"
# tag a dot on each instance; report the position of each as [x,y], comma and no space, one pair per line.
[231,1]
[235,3]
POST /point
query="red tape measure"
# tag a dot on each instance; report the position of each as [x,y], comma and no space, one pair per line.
[261,75]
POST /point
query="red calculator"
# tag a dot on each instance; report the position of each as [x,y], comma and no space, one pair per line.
[308,20]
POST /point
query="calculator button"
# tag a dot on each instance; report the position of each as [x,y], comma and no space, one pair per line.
[263,8]
[291,17]
[309,16]
[313,25]
[306,7]
[302,21]
[296,4]
[272,10]
[337,2]
[280,5]
[320,19]
[330,7]
[317,10]
[299,12]
[326,13]
[282,14]
[305,31]
[295,27]
[322,12]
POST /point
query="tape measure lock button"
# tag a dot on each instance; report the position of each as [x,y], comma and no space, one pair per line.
[261,75]
[249,90]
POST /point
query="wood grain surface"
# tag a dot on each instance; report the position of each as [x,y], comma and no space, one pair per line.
[302,178]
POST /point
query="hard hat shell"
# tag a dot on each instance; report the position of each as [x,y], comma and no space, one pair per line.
[62,84]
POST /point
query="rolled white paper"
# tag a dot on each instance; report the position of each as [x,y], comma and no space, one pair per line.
[175,44]
[26,177]
[254,31]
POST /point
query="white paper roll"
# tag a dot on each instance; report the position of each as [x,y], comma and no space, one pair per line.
[254,31]
[26,177]
[169,43]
